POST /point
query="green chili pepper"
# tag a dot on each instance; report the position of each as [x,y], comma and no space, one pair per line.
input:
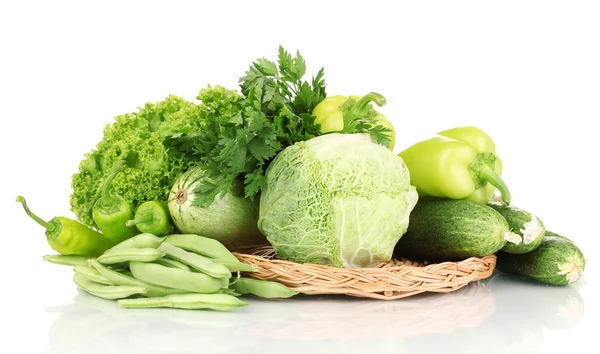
[153,218]
[111,211]
[459,163]
[69,237]
[329,115]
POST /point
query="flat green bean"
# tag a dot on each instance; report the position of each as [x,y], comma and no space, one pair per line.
[92,274]
[110,292]
[70,260]
[217,302]
[196,261]
[118,278]
[130,254]
[201,245]
[235,266]
[143,240]
[175,278]
[172,263]
[227,292]
[261,288]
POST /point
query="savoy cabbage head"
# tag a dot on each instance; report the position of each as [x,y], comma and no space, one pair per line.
[337,199]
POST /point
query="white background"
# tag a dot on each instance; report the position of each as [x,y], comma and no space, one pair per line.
[527,72]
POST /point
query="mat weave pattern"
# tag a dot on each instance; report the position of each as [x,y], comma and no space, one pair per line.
[392,280]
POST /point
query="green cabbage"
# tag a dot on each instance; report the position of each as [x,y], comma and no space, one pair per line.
[337,199]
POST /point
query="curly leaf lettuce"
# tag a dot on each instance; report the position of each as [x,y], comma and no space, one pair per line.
[137,140]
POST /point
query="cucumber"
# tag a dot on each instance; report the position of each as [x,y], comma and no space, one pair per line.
[447,229]
[557,261]
[528,229]
[232,219]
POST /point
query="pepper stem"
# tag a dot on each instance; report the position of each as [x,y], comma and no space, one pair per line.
[483,170]
[106,197]
[48,226]
[361,105]
[143,219]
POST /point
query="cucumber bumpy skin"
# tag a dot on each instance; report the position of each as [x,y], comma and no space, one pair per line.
[449,230]
[528,229]
[557,261]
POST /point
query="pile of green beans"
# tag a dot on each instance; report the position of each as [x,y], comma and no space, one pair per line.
[183,271]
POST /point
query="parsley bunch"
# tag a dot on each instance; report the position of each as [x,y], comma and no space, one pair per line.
[240,145]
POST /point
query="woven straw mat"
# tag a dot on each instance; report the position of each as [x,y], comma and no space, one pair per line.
[391,280]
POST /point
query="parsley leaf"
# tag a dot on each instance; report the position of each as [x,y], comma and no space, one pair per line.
[239,142]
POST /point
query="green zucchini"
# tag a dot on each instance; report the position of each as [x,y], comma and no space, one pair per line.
[557,261]
[230,219]
[528,229]
[448,229]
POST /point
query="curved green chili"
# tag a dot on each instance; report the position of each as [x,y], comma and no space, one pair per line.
[69,237]
[152,217]
[111,211]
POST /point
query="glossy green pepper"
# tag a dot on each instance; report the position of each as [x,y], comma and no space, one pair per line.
[111,211]
[329,115]
[459,163]
[153,218]
[70,237]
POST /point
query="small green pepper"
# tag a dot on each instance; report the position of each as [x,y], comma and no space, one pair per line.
[111,211]
[153,218]
[69,237]
[459,163]
[329,114]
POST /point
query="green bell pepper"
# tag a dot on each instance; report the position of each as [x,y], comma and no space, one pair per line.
[111,211]
[153,218]
[329,115]
[459,163]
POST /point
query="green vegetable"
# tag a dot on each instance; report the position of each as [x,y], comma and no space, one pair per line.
[459,163]
[235,266]
[204,246]
[168,262]
[242,142]
[111,211]
[230,219]
[217,302]
[341,114]
[261,288]
[447,229]
[175,278]
[110,292]
[338,199]
[196,261]
[92,274]
[528,229]
[71,260]
[122,255]
[69,237]
[118,278]
[136,139]
[144,240]
[557,261]
[153,218]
